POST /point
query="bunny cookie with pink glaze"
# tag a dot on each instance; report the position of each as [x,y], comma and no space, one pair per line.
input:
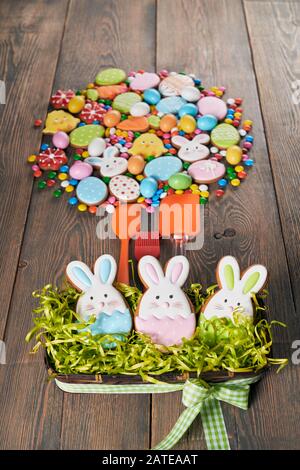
[235,291]
[110,164]
[192,150]
[100,298]
[164,312]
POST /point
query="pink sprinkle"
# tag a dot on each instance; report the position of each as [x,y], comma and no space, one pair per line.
[247,145]
[124,155]
[130,134]
[197,131]
[210,93]
[111,199]
[166,136]
[222,88]
[245,157]
[148,200]
[35,167]
[128,145]
[150,209]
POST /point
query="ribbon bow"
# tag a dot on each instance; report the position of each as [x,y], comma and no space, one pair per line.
[201,397]
[198,397]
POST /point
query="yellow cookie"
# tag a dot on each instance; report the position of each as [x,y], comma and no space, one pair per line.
[60,121]
[148,145]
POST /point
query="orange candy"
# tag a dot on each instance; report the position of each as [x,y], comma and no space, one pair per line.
[167,122]
[112,118]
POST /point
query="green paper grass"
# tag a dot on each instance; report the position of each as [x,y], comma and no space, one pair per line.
[218,344]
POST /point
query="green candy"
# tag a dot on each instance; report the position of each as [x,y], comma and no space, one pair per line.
[42,184]
[110,77]
[83,135]
[180,181]
[125,101]
[92,94]
[51,175]
[57,193]
[154,121]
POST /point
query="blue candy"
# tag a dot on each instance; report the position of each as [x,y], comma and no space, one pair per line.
[152,96]
[207,122]
[188,108]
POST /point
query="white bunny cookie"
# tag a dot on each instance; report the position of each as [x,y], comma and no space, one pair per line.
[110,164]
[192,150]
[100,297]
[235,291]
[164,312]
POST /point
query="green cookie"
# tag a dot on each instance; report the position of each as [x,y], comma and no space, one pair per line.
[110,77]
[124,101]
[224,135]
[82,136]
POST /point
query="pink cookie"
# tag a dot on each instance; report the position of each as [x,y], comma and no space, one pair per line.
[212,105]
[80,170]
[143,81]
[167,331]
[124,188]
[164,311]
[206,171]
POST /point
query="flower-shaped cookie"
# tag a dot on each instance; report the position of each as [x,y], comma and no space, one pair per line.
[91,112]
[51,159]
[61,98]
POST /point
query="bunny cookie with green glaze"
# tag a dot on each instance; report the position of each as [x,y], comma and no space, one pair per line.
[235,291]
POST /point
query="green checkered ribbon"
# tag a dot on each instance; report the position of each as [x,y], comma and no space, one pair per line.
[198,397]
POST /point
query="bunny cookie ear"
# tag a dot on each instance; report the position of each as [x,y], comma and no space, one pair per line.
[254,279]
[111,152]
[79,275]
[105,269]
[228,273]
[94,161]
[179,141]
[150,271]
[177,270]
[201,139]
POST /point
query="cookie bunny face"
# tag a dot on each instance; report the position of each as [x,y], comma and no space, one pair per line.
[110,164]
[164,296]
[235,292]
[191,150]
[99,294]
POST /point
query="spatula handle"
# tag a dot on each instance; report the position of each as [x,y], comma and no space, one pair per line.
[123,271]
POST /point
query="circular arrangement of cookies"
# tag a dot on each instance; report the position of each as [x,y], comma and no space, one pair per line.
[139,137]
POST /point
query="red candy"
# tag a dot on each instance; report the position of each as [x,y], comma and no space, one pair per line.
[219,192]
[61,98]
[51,159]
[37,173]
[91,112]
[37,122]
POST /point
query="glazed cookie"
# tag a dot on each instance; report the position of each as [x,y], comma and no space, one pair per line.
[60,121]
[110,164]
[124,188]
[174,84]
[125,101]
[83,135]
[213,106]
[143,81]
[91,112]
[135,124]
[164,312]
[91,191]
[206,171]
[235,292]
[51,159]
[60,99]
[100,298]
[224,136]
[162,168]
[109,92]
[110,77]
[148,145]
[192,150]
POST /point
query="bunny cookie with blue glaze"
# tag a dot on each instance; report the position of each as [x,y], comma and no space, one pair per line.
[235,291]
[100,298]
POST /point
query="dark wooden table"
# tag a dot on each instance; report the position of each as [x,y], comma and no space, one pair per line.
[251,47]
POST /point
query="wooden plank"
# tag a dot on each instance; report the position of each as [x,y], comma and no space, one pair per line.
[56,233]
[196,41]
[30,410]
[275,42]
[107,35]
[27,66]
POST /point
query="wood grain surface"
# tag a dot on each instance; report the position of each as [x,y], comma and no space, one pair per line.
[250,47]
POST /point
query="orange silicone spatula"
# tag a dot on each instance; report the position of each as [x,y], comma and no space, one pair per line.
[179,217]
[125,224]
